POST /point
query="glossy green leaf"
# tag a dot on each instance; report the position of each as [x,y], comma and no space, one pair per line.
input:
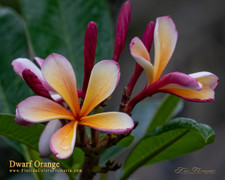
[13,45]
[78,158]
[169,106]
[59,26]
[177,137]
[116,150]
[28,135]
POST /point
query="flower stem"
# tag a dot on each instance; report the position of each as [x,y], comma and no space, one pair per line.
[95,135]
[90,161]
[130,86]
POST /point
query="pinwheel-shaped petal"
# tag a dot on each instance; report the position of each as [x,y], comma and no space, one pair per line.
[194,87]
[59,74]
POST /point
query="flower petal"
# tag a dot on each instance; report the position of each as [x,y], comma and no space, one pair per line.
[39,109]
[165,38]
[141,55]
[56,97]
[44,141]
[111,122]
[138,49]
[20,64]
[59,74]
[208,81]
[63,141]
[39,61]
[103,80]
[21,121]
[206,78]
[177,80]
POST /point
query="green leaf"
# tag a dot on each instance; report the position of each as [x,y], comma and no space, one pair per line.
[110,153]
[17,134]
[166,110]
[78,158]
[177,137]
[116,150]
[126,142]
[28,135]
[13,44]
[59,26]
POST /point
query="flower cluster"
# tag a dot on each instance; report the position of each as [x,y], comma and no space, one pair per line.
[58,100]
[198,87]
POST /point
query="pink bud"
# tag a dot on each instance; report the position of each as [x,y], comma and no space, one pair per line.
[35,84]
[121,30]
[90,42]
[147,38]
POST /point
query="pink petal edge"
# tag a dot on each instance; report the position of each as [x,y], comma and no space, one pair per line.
[113,131]
[177,79]
[21,121]
[55,153]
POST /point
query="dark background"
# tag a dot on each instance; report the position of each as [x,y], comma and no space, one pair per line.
[200,47]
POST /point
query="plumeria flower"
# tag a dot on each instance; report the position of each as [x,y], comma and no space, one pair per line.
[28,71]
[193,87]
[32,75]
[59,74]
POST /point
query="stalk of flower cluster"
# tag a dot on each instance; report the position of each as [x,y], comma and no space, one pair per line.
[147,40]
